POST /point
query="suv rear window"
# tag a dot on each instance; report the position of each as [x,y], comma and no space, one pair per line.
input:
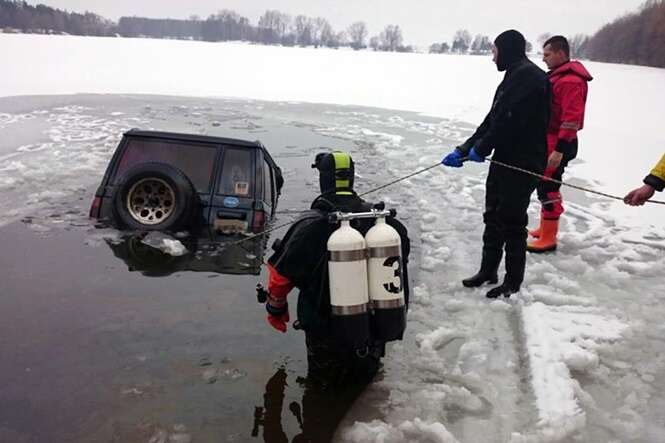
[195,160]
[237,178]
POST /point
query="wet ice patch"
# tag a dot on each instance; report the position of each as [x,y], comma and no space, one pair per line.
[164,243]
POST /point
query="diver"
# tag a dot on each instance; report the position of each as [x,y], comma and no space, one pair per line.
[301,260]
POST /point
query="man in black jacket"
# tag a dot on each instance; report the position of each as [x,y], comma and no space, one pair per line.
[301,261]
[515,129]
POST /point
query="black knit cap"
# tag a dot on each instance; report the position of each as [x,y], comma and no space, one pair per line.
[512,48]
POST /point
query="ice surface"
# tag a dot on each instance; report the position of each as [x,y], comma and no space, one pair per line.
[577,355]
[536,368]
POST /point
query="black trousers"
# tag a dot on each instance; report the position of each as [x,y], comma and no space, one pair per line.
[507,197]
[328,364]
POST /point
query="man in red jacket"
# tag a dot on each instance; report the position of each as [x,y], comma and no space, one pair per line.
[569,93]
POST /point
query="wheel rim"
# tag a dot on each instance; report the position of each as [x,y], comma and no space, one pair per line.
[151,201]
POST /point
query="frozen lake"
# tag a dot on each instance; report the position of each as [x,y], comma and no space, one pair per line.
[106,342]
[577,356]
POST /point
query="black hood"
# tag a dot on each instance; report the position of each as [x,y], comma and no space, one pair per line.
[336,173]
[512,49]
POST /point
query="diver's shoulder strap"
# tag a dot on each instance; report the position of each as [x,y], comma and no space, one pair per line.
[311,214]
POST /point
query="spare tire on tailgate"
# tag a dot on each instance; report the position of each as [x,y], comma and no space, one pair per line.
[154,196]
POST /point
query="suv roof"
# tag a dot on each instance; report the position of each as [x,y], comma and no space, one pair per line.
[193,137]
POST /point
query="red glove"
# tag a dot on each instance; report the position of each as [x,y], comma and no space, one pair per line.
[277,307]
[278,321]
[278,313]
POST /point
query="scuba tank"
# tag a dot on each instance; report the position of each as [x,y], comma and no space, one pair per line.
[347,275]
[386,291]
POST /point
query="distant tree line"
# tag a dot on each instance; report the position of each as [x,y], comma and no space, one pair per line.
[273,28]
[637,38]
[43,19]
[464,43]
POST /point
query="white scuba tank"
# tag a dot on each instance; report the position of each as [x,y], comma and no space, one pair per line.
[386,285]
[347,275]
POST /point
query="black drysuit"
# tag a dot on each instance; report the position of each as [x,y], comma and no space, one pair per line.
[515,129]
[302,258]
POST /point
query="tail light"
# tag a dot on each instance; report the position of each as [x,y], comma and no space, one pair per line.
[259,221]
[95,207]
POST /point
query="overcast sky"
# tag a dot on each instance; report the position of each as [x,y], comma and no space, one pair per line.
[422,21]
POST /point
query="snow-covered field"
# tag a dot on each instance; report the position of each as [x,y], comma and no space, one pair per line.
[579,354]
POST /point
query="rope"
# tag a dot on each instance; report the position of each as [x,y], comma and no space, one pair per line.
[290,222]
[259,234]
[400,179]
[579,188]
[420,171]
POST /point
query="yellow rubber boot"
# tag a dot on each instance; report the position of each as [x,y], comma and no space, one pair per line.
[547,240]
[535,233]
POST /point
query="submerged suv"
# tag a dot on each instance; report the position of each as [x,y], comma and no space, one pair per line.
[167,181]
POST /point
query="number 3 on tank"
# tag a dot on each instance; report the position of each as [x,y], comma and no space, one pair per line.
[390,262]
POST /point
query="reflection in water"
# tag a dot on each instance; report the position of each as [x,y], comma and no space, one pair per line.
[320,411]
[212,253]
[334,378]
